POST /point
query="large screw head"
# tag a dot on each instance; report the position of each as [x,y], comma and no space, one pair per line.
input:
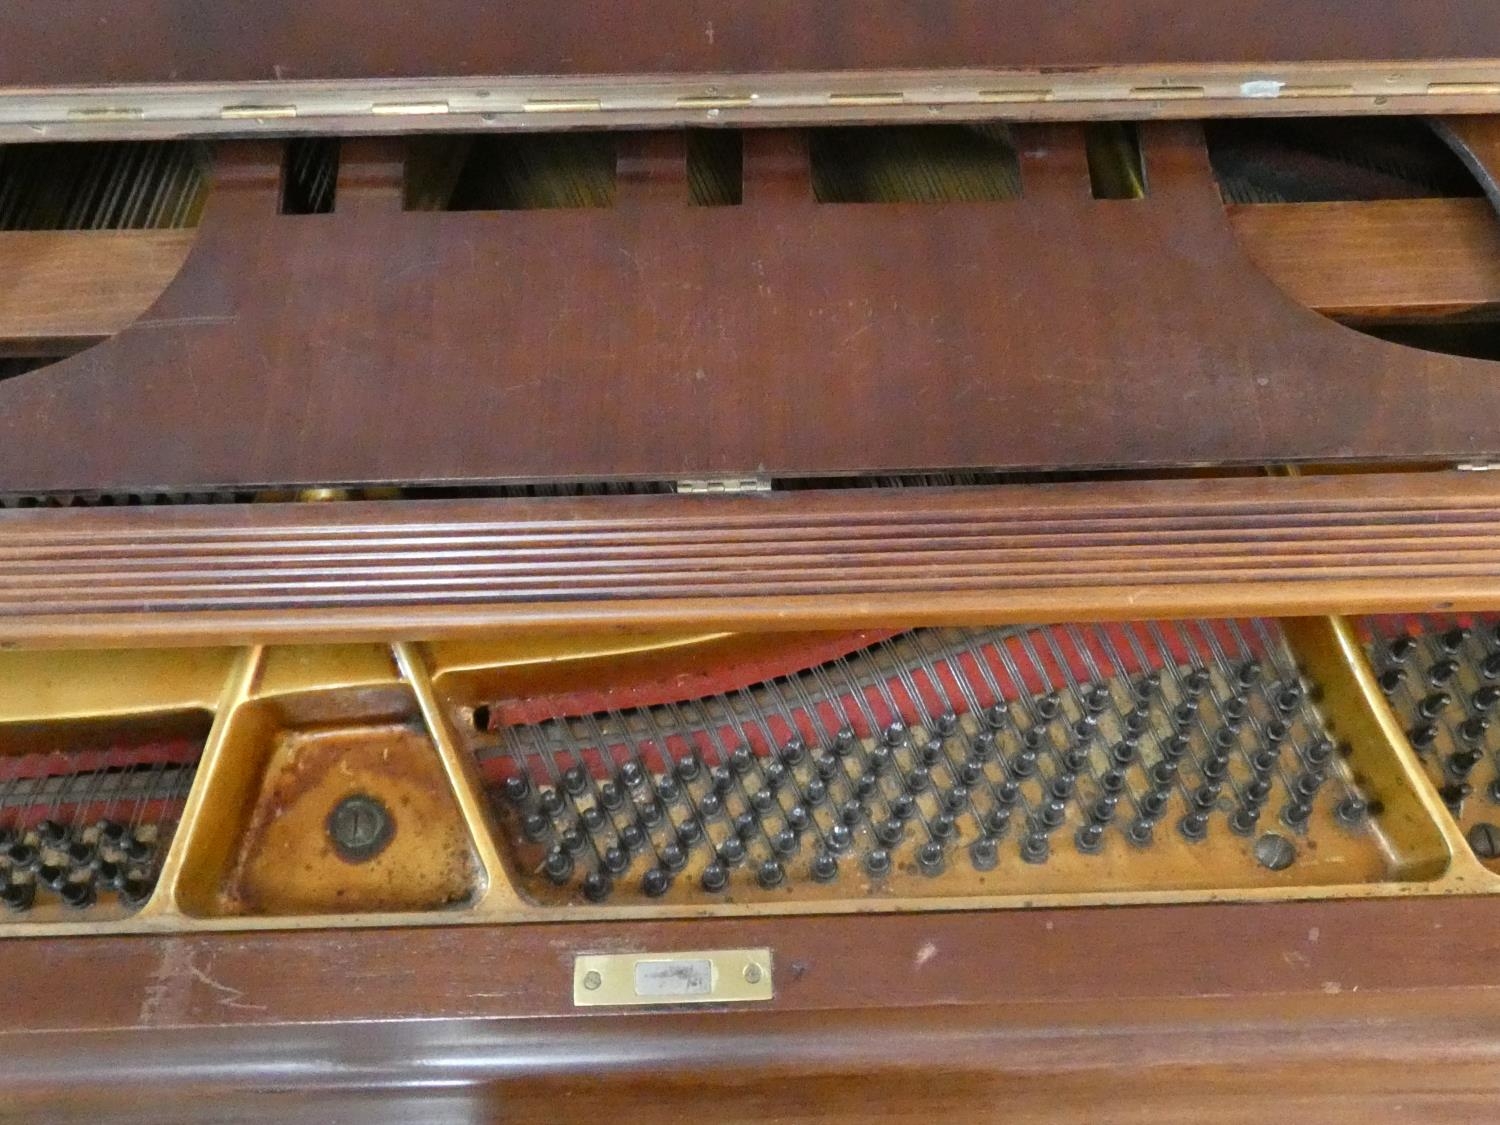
[360,827]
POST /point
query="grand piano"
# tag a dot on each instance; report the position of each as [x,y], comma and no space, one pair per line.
[763,561]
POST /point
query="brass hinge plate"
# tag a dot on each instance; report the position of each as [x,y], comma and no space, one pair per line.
[719,486]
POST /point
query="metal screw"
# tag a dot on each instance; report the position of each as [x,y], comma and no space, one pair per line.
[592,980]
[1275,852]
[1484,838]
[753,973]
[360,828]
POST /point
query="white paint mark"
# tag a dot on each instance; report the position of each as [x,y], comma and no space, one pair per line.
[1332,987]
[1313,935]
[1262,88]
[228,997]
[926,954]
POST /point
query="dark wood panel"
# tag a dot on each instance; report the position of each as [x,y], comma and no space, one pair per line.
[92,42]
[986,555]
[1324,1007]
[660,340]
[1397,259]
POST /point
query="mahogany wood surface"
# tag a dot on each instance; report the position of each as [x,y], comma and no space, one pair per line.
[982,555]
[1220,1012]
[94,42]
[66,289]
[659,340]
[1373,260]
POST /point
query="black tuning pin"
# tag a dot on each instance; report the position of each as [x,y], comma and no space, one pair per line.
[1451,640]
[135,888]
[575,780]
[78,893]
[656,882]
[18,894]
[596,887]
[1401,647]
[1194,826]
[1441,672]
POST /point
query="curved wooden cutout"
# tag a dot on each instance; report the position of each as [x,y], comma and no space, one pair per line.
[780,337]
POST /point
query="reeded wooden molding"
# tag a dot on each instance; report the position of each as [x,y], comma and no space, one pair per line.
[1369,260]
[428,569]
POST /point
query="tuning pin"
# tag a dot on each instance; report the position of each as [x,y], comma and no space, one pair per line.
[656,882]
[1089,838]
[731,852]
[1352,811]
[930,858]
[1244,819]
[81,854]
[1194,826]
[135,887]
[78,893]
[1035,847]
[1401,647]
[1441,672]
[824,868]
[558,865]
[18,894]
[596,886]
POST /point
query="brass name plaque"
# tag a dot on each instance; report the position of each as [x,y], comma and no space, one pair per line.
[716,976]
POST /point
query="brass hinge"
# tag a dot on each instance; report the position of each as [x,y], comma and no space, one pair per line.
[721,485]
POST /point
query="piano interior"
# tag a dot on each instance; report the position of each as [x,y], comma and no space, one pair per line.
[713,521]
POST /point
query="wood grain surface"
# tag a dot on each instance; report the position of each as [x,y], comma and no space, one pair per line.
[782,337]
[1382,259]
[93,43]
[837,559]
[1384,1010]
